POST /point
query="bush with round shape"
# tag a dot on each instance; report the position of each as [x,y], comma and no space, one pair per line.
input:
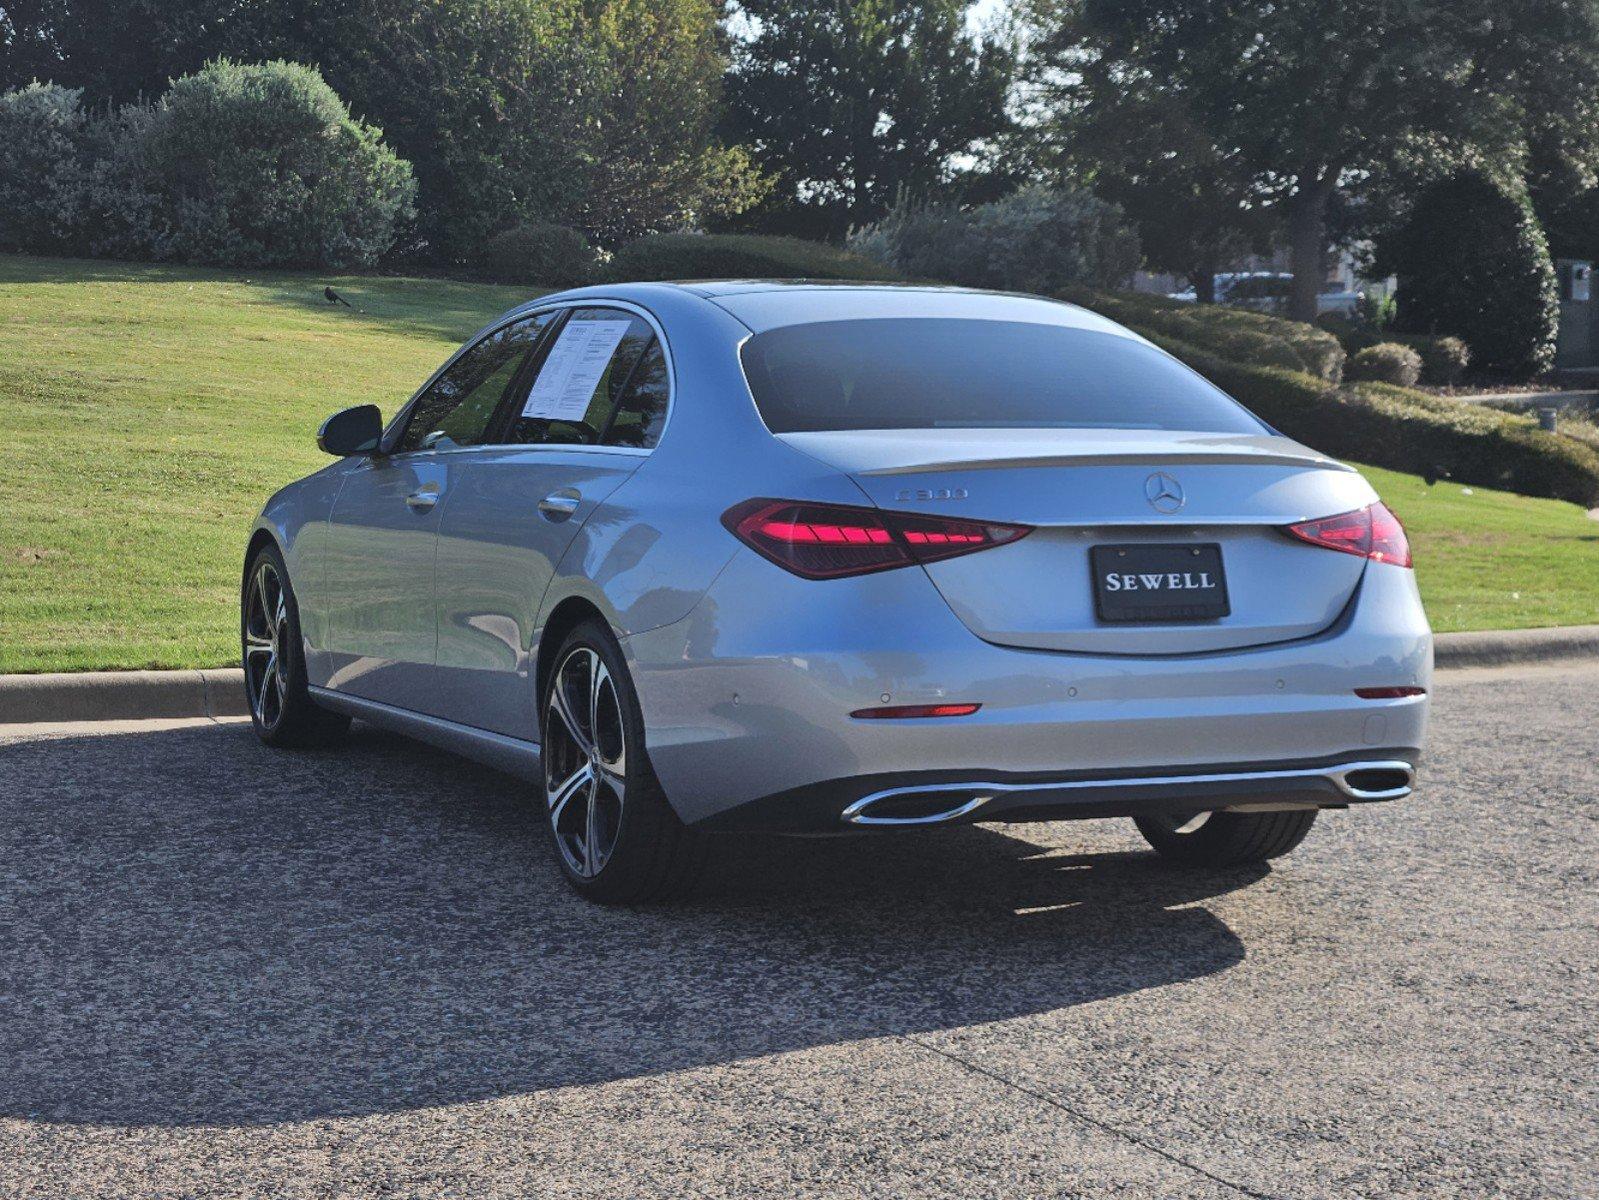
[263,165]
[1443,359]
[44,168]
[1472,262]
[1386,362]
[739,256]
[536,252]
[1037,239]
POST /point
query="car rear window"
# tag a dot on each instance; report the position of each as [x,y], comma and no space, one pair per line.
[939,373]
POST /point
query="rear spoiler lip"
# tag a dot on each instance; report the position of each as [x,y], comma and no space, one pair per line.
[1264,459]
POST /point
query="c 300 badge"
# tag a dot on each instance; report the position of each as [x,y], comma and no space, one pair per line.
[909,495]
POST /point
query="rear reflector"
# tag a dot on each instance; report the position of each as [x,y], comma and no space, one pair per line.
[1389,693]
[829,541]
[895,712]
[1373,532]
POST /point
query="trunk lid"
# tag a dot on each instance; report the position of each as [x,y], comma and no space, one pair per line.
[1083,488]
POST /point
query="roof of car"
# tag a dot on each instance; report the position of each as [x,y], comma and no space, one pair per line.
[763,304]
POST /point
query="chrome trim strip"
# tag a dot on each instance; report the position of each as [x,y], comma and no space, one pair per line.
[858,814]
[509,754]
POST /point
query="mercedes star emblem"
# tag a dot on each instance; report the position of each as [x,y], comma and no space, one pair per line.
[1163,492]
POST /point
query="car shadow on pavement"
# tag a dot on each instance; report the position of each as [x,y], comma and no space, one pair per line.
[197,930]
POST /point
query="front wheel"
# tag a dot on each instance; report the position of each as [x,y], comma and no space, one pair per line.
[615,837]
[1224,839]
[281,709]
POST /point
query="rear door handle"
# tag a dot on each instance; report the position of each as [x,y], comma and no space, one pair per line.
[422,501]
[560,505]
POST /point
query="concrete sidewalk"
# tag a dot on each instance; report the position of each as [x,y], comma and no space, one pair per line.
[219,691]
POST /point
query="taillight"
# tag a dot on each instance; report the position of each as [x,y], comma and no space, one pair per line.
[828,541]
[1373,532]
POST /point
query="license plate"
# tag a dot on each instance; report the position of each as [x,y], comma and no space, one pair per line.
[1143,582]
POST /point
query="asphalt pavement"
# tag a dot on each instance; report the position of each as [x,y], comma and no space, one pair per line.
[230,971]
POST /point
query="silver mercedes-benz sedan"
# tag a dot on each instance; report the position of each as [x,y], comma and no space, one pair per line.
[804,557]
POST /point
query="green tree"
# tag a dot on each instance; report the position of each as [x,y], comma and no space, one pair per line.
[596,113]
[114,50]
[852,104]
[1313,94]
[1196,205]
[1472,262]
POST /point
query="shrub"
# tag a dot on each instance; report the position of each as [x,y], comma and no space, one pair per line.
[1386,362]
[1404,430]
[739,256]
[1037,239]
[1443,359]
[44,137]
[536,252]
[1233,333]
[128,220]
[257,165]
[1472,262]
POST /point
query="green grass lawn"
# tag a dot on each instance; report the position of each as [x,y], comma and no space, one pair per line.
[148,411]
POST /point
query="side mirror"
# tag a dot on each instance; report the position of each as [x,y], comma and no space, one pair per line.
[356,430]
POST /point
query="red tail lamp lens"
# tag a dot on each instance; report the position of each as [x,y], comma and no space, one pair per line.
[899,711]
[1372,532]
[1389,693]
[829,541]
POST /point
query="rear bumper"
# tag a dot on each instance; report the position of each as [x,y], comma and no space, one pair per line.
[924,798]
[746,703]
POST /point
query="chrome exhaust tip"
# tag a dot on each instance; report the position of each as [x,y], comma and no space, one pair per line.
[912,806]
[1375,780]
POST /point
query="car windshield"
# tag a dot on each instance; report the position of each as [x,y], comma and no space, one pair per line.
[937,373]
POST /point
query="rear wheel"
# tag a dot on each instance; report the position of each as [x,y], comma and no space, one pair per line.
[281,709]
[615,837]
[1224,839]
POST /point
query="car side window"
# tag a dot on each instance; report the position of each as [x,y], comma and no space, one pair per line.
[575,393]
[457,408]
[641,412]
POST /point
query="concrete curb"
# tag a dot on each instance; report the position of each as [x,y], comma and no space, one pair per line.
[219,692]
[121,695]
[1508,647]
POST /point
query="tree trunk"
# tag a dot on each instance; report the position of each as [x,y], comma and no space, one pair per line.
[1204,285]
[1307,246]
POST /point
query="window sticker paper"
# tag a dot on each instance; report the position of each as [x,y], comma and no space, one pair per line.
[574,369]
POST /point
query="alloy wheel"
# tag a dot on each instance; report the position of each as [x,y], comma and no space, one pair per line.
[266,642]
[585,761]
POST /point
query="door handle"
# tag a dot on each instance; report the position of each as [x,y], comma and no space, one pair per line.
[422,501]
[558,506]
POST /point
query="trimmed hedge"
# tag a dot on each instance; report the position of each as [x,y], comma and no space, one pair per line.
[1386,362]
[1406,430]
[536,252]
[1232,333]
[739,256]
[1037,239]
[1444,359]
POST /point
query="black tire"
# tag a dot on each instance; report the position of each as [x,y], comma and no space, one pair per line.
[282,711]
[624,847]
[1227,839]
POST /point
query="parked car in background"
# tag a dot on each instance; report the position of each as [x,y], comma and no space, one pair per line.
[1267,291]
[779,556]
